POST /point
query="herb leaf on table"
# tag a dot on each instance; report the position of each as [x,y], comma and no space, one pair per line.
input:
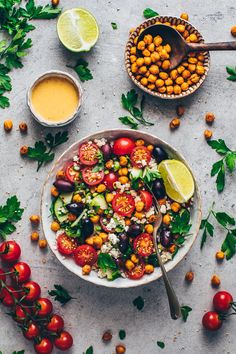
[232,73]
[60,294]
[185,310]
[148,13]
[122,334]
[82,70]
[161,344]
[114,25]
[139,303]
[9,213]
[89,350]
[17,352]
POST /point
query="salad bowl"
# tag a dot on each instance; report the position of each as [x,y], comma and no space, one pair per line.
[46,201]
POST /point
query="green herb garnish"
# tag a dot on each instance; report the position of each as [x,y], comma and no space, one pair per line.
[148,13]
[100,164]
[9,213]
[185,312]
[122,334]
[81,68]
[232,73]
[60,294]
[180,223]
[89,350]
[139,303]
[227,162]
[108,266]
[129,103]
[17,352]
[161,344]
[114,25]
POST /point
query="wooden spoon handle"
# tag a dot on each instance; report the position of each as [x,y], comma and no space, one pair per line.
[196,47]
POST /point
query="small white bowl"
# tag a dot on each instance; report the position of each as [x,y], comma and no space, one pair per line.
[37,116]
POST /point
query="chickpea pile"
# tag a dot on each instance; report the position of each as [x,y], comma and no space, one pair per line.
[152,68]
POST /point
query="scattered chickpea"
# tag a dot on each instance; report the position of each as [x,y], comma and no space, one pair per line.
[86,269]
[24,150]
[208,134]
[77,198]
[89,241]
[233,31]
[35,219]
[120,349]
[123,161]
[123,179]
[109,197]
[189,276]
[150,148]
[103,236]
[209,118]
[152,218]
[149,228]
[55,3]
[23,127]
[139,215]
[34,236]
[220,256]
[184,16]
[175,207]
[166,219]
[134,258]
[8,125]
[107,336]
[42,243]
[97,241]
[139,142]
[129,264]
[149,268]
[54,192]
[101,188]
[55,226]
[215,281]
[61,174]
[139,206]
[94,218]
[175,123]
[123,171]
[180,109]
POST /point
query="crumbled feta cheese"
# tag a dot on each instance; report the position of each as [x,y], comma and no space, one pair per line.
[133,193]
[150,212]
[106,247]
[115,253]
[137,199]
[166,256]
[100,142]
[76,158]
[163,209]
[168,207]
[101,274]
[153,164]
[113,238]
[112,224]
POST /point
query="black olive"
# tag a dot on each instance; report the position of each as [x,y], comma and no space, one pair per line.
[124,243]
[134,230]
[165,238]
[64,186]
[75,208]
[106,150]
[159,154]
[158,189]
[87,228]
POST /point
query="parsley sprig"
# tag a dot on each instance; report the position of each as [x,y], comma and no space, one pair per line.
[82,70]
[10,213]
[227,222]
[139,303]
[148,13]
[180,224]
[232,73]
[185,310]
[14,21]
[227,162]
[89,350]
[129,102]
[42,152]
[60,294]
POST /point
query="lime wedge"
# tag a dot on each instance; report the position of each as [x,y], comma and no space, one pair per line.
[178,181]
[77,30]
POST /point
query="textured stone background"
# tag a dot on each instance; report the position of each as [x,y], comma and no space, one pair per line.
[95,308]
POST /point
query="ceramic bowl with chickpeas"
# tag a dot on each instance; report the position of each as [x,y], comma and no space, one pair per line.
[147,61]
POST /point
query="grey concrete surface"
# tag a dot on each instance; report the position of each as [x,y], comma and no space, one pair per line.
[96,309]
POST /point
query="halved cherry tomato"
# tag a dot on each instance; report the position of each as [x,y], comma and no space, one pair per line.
[104,222]
[12,250]
[71,174]
[21,314]
[147,199]
[88,154]
[143,245]
[32,331]
[31,291]
[137,272]
[64,341]
[56,324]
[110,179]
[123,204]
[92,178]
[140,156]
[6,296]
[222,301]
[85,254]
[123,146]
[21,273]
[66,245]
[211,321]
[44,346]
[43,307]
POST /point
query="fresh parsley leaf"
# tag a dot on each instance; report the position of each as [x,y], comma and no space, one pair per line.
[122,334]
[60,294]
[161,344]
[105,262]
[224,219]
[114,25]
[219,145]
[89,350]
[100,164]
[9,213]
[180,223]
[19,352]
[149,175]
[208,230]
[229,244]
[232,73]
[58,139]
[185,312]
[127,120]
[148,13]
[82,70]
[139,303]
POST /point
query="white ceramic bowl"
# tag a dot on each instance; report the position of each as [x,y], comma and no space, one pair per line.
[47,219]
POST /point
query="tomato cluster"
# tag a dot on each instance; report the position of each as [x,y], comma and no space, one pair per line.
[33,313]
[222,302]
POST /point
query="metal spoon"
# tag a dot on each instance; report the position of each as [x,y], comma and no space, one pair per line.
[174,305]
[180,48]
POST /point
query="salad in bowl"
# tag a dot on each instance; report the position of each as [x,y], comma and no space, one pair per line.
[103,209]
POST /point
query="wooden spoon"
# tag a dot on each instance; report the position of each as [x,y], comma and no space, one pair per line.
[180,48]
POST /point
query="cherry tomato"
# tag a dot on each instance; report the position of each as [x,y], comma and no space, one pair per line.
[104,222]
[32,331]
[64,341]
[2,276]
[45,346]
[21,314]
[31,291]
[71,174]
[109,180]
[137,272]
[92,178]
[12,250]
[140,156]
[85,254]
[88,154]
[43,307]
[222,301]
[146,197]
[56,324]
[123,204]
[8,297]
[66,245]
[21,273]
[123,146]
[143,245]
[211,321]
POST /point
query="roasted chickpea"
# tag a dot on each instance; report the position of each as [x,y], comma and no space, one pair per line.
[77,198]
[186,74]
[208,134]
[151,87]
[54,192]
[168,82]
[146,53]
[35,219]
[139,206]
[164,55]
[140,61]
[179,80]
[139,142]
[175,207]
[180,28]
[166,65]
[189,276]
[149,228]
[134,68]
[180,69]
[158,40]
[141,45]
[147,61]
[97,242]
[55,3]
[148,39]
[174,74]
[167,218]
[144,81]
[194,78]
[103,236]
[123,161]
[151,47]
[180,109]
[167,23]
[86,269]
[129,264]
[120,349]
[42,243]
[201,57]
[162,89]
[155,57]
[133,50]
[209,118]
[24,150]
[142,70]
[23,127]
[169,90]
[134,258]
[135,40]
[177,90]
[8,125]
[185,64]
[133,59]
[193,38]
[159,83]
[149,268]
[94,218]
[191,68]
[167,48]
[147,74]
[109,197]
[174,124]
[220,256]
[184,86]
[123,179]
[163,75]
[152,78]
[55,226]
[34,236]
[215,281]
[185,34]
[154,69]
[200,70]
[101,188]
[61,174]
[192,60]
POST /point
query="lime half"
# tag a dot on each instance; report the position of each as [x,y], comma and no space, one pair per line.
[178,181]
[77,30]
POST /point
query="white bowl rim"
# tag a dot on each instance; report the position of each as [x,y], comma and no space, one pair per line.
[170,264]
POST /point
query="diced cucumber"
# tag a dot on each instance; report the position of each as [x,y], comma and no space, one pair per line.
[66,197]
[99,201]
[75,223]
[58,206]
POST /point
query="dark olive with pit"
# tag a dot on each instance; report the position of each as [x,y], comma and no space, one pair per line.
[64,186]
[159,154]
[106,150]
[124,243]
[87,228]
[158,189]
[134,230]
[75,208]
[165,238]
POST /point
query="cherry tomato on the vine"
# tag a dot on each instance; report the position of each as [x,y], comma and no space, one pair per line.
[21,272]
[31,291]
[2,276]
[43,307]
[64,341]
[10,251]
[45,346]
[212,321]
[56,324]
[222,301]
[8,296]
[32,331]
[21,313]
